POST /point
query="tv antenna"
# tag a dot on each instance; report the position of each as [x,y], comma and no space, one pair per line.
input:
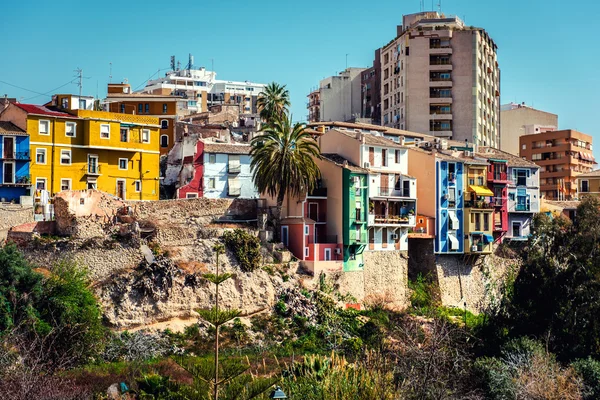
[110,73]
[79,75]
[439,6]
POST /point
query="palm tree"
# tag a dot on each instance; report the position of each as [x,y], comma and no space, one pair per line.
[273,101]
[283,160]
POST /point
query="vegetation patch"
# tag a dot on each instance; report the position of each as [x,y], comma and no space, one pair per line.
[245,247]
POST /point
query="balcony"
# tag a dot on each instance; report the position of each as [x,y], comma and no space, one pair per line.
[440,60]
[234,168]
[499,201]
[479,204]
[399,220]
[318,192]
[92,169]
[392,192]
[523,207]
[19,156]
[20,180]
[358,237]
[440,83]
[497,177]
[322,239]
[440,50]
[234,191]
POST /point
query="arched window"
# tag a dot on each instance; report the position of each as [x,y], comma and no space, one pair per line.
[164,123]
[164,141]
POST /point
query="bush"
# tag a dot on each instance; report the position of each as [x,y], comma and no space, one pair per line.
[421,298]
[245,247]
[589,371]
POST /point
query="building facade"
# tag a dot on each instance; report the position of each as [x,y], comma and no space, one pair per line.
[340,96]
[478,209]
[371,91]
[217,170]
[166,108]
[314,106]
[442,78]
[562,156]
[521,119]
[588,184]
[83,149]
[15,179]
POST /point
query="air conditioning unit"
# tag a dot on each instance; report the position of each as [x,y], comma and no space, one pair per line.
[473,249]
[367,164]
[395,236]
[468,153]
[417,141]
[338,251]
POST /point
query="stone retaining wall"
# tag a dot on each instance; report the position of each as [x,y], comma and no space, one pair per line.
[13,215]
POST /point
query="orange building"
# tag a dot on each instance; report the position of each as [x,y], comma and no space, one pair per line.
[562,156]
[166,108]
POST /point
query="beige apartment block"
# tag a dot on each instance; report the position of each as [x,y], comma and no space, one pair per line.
[441,78]
[521,119]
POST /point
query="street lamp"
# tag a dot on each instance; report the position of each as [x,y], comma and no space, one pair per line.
[277,394]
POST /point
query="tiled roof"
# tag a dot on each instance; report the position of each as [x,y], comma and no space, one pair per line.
[8,128]
[342,162]
[591,174]
[226,148]
[41,110]
[142,95]
[511,159]
[372,139]
[370,127]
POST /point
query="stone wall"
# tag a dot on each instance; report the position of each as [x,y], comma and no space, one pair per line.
[183,209]
[384,278]
[13,215]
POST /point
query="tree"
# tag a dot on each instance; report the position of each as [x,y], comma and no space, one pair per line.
[228,379]
[273,102]
[283,160]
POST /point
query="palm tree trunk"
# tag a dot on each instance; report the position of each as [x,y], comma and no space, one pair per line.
[280,197]
[216,386]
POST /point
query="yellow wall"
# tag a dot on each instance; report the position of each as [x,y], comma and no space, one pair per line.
[141,157]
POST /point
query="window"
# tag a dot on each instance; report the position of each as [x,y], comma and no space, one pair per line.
[164,141]
[124,135]
[104,131]
[138,186]
[486,222]
[122,108]
[82,104]
[65,157]
[191,195]
[40,156]
[306,230]
[93,166]
[145,135]
[585,186]
[70,128]
[524,147]
[511,196]
[384,161]
[40,184]
[147,108]
[140,108]
[123,163]
[65,184]
[211,183]
[452,197]
[164,124]
[212,158]
[164,108]
[520,176]
[306,252]
[480,180]
[44,127]
[92,185]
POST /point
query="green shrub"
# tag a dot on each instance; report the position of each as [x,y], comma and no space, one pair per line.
[245,247]
[496,378]
[589,371]
[421,298]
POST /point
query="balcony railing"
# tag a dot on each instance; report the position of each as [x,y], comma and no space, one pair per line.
[234,168]
[494,176]
[19,155]
[322,239]
[499,201]
[394,219]
[523,207]
[478,204]
[392,192]
[358,237]
[234,191]
[19,180]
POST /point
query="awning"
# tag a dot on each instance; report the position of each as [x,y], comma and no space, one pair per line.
[487,238]
[481,190]
[454,219]
[453,242]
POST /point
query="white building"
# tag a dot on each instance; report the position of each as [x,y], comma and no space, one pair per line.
[227,171]
[340,96]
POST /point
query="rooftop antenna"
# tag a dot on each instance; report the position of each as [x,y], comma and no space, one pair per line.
[172,63]
[346,60]
[79,75]
[440,6]
[110,73]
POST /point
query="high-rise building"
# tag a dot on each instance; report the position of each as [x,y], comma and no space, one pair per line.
[562,156]
[371,91]
[441,77]
[521,119]
[339,97]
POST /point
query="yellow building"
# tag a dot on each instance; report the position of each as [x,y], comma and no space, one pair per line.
[78,149]
[479,209]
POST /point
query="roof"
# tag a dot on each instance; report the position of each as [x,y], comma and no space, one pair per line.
[591,174]
[138,95]
[343,162]
[372,139]
[8,128]
[226,148]
[370,127]
[41,110]
[511,159]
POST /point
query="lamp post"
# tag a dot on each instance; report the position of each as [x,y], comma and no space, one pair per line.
[277,394]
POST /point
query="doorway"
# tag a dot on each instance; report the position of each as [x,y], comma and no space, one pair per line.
[327,254]
[516,229]
[313,211]
[121,188]
[9,147]
[284,235]
[9,173]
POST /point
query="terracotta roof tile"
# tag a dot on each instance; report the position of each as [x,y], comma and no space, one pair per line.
[511,159]
[591,174]
[226,148]
[341,162]
[8,128]
[41,110]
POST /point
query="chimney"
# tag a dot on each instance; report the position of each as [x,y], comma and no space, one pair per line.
[401,140]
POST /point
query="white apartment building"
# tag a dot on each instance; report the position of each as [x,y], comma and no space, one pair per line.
[441,78]
[340,96]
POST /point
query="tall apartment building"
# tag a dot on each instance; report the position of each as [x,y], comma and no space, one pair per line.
[562,156]
[202,90]
[314,106]
[371,91]
[339,96]
[442,78]
[521,119]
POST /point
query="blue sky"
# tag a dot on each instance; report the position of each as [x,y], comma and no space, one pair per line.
[547,50]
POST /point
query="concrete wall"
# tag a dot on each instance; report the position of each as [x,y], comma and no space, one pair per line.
[513,121]
[341,95]
[339,143]
[422,166]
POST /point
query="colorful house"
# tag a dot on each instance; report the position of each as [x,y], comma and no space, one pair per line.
[217,170]
[478,208]
[15,158]
[78,149]
[391,191]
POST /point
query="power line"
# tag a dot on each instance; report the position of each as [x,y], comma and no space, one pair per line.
[33,91]
[143,83]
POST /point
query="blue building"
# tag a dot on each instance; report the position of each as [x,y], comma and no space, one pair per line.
[449,205]
[14,163]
